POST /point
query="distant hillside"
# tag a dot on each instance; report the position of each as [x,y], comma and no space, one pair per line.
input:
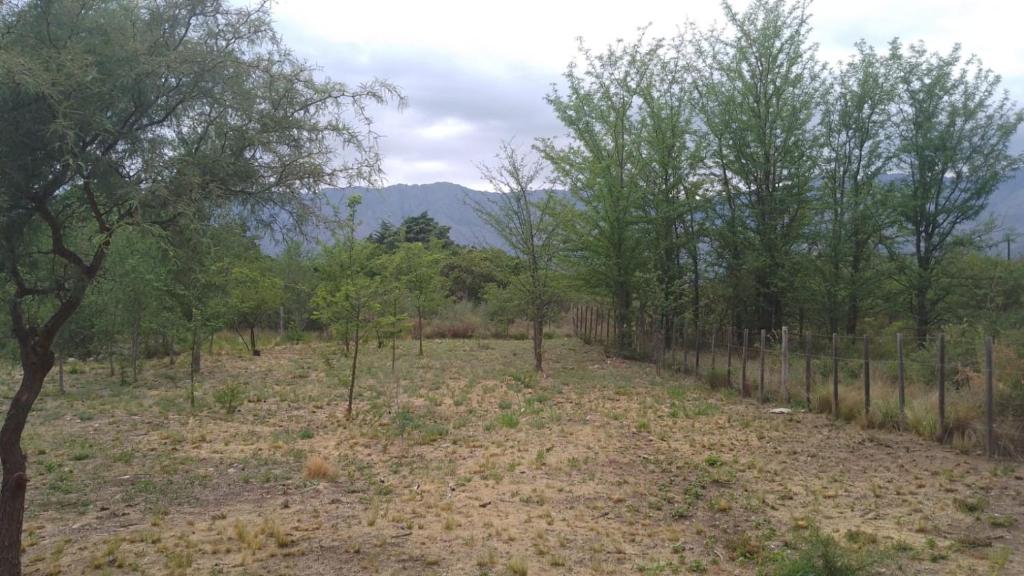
[1007,204]
[449,204]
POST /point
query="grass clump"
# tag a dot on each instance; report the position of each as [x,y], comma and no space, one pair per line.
[508,419]
[318,468]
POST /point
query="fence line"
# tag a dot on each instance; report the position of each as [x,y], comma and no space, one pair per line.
[668,343]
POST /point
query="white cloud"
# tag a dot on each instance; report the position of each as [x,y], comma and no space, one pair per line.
[445,129]
[477,72]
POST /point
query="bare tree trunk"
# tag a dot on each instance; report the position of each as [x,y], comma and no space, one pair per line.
[36,361]
[352,379]
[538,345]
[196,363]
[60,374]
[252,340]
[419,327]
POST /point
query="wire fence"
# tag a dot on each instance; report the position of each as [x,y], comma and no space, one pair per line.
[963,389]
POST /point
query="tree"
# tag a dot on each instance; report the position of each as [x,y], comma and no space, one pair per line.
[254,293]
[859,146]
[348,297]
[469,271]
[526,218]
[387,236]
[424,229]
[597,166]
[118,113]
[670,156]
[758,90]
[419,266]
[954,126]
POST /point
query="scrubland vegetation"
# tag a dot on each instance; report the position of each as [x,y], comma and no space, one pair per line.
[224,395]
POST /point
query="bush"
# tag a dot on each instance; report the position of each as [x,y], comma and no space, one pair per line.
[230,397]
[820,555]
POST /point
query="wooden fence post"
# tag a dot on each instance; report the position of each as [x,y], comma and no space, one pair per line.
[867,380]
[743,383]
[807,370]
[990,436]
[835,375]
[902,378]
[760,356]
[942,388]
[785,365]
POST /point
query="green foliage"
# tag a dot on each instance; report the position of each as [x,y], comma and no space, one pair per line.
[230,397]
[819,554]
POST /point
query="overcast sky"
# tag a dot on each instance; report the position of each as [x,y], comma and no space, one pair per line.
[476,73]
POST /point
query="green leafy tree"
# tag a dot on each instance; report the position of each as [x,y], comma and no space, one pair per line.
[424,229]
[469,271]
[599,108]
[859,148]
[254,295]
[527,219]
[758,90]
[419,266]
[117,113]
[670,156]
[954,126]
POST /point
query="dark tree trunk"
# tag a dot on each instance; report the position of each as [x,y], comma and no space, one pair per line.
[196,364]
[352,379]
[419,328]
[36,361]
[538,345]
[60,374]
[252,340]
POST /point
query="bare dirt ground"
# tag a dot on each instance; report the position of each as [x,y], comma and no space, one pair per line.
[461,462]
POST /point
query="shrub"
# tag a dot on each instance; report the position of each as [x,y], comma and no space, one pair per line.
[229,397]
[820,555]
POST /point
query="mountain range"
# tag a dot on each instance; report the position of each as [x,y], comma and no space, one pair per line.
[452,205]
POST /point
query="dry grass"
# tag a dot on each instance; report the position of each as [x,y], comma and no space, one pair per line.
[318,468]
[607,467]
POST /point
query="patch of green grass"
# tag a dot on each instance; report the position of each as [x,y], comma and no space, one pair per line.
[819,554]
[508,419]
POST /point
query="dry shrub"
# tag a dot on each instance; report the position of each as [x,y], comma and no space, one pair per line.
[318,468]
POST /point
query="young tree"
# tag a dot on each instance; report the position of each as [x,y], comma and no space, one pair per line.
[419,266]
[121,112]
[954,126]
[758,88]
[348,297]
[254,294]
[526,219]
[859,146]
